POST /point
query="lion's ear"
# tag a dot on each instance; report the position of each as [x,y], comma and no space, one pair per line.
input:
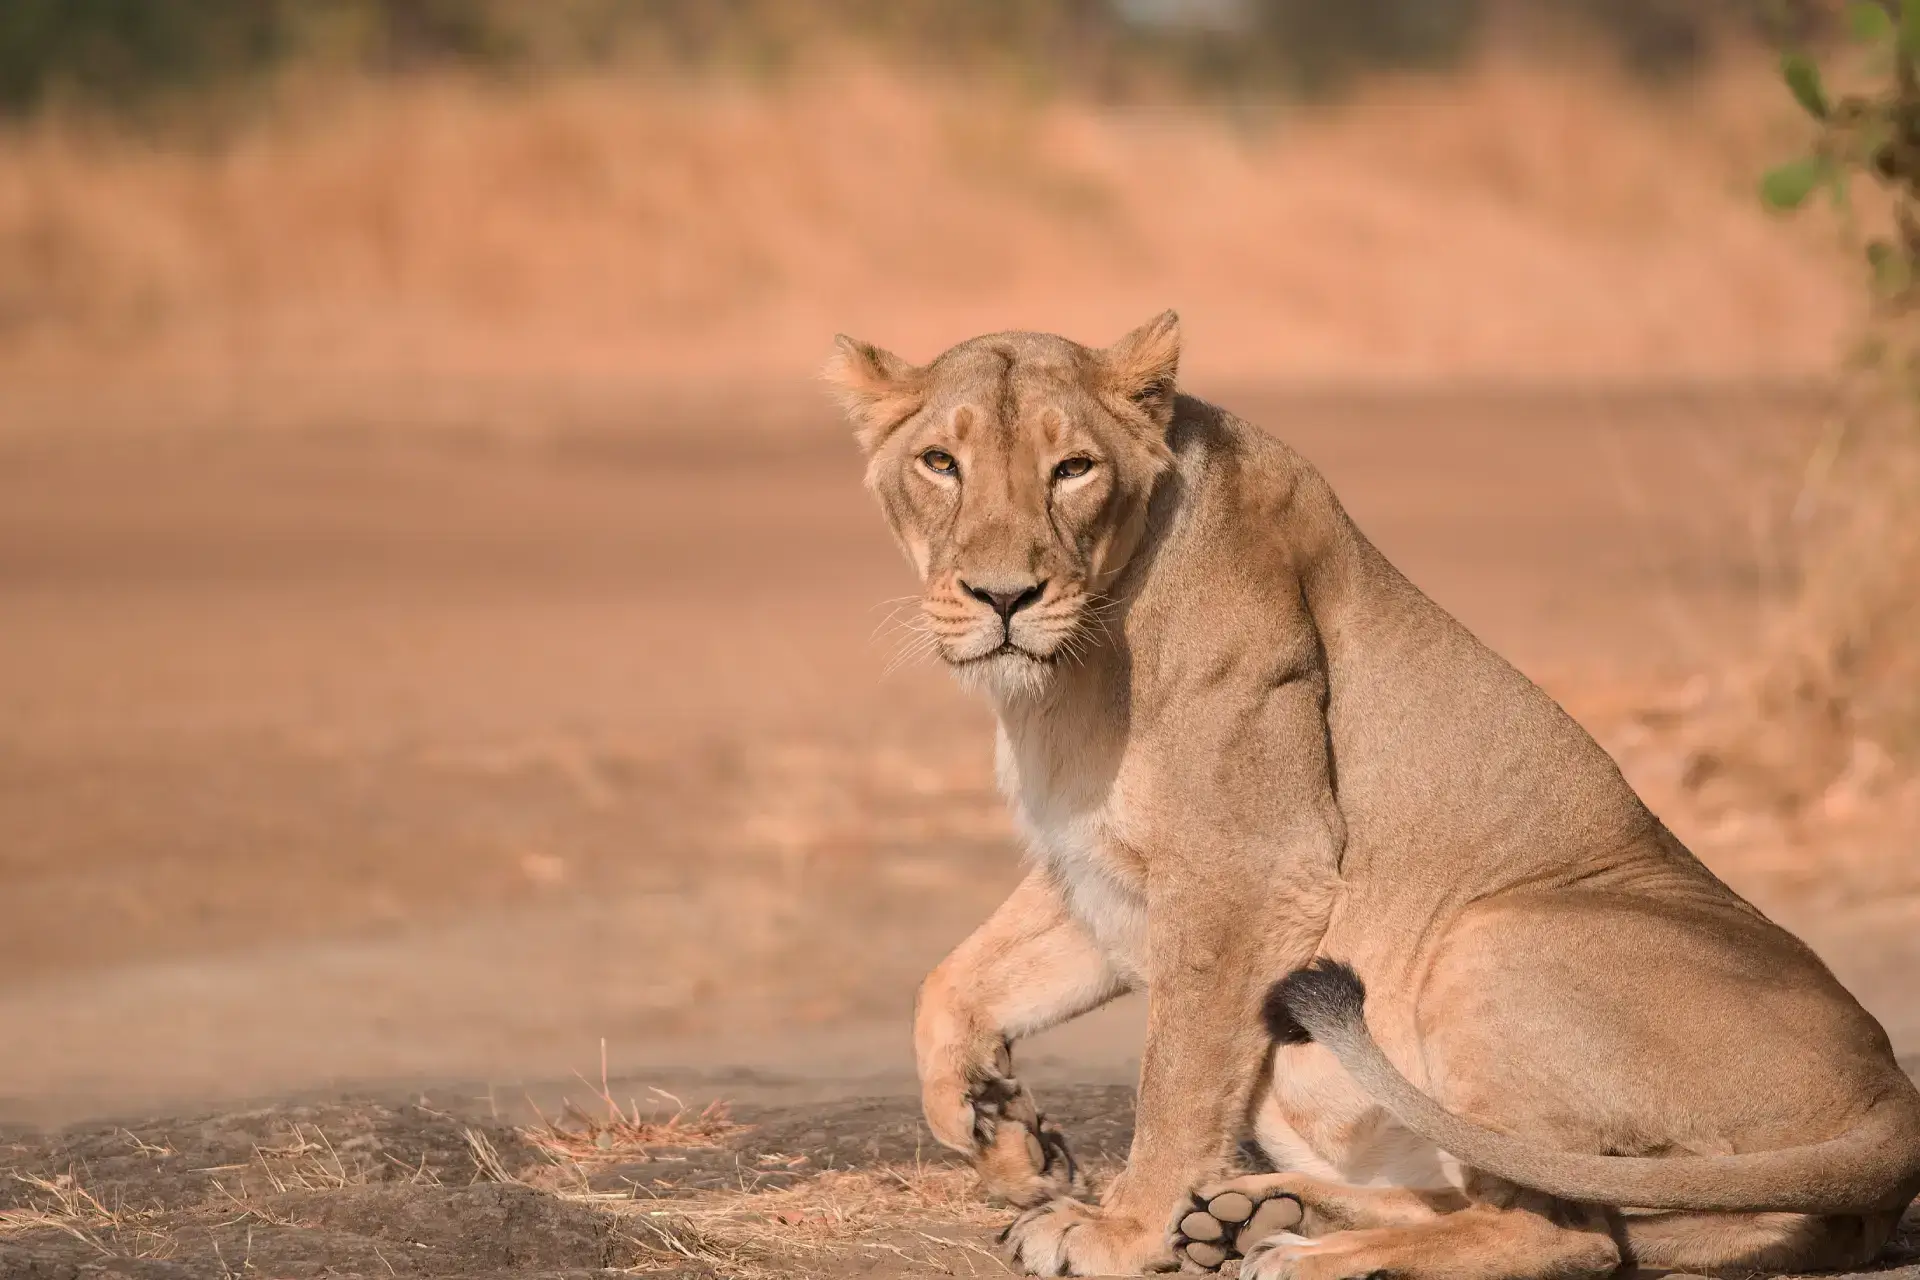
[878,389]
[1144,364]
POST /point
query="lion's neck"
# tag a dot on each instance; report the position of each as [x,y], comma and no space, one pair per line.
[1064,767]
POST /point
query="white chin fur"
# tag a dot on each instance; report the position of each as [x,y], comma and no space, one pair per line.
[1007,676]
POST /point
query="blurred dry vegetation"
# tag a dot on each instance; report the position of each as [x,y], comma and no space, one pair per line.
[1839,692]
[673,189]
[124,51]
[372,194]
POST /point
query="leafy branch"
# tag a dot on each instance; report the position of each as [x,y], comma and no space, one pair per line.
[1875,133]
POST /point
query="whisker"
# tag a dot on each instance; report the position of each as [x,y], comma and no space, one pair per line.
[892,663]
[895,631]
[899,619]
[918,647]
[910,633]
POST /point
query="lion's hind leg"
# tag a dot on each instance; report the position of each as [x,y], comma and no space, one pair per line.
[1744,1243]
[1544,1241]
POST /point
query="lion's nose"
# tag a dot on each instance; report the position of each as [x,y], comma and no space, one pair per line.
[1006,601]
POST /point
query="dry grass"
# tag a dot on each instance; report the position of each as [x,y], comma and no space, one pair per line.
[578,1140]
[305,1160]
[1858,624]
[916,1215]
[913,1218]
[1509,222]
[1837,696]
[585,1139]
[62,1204]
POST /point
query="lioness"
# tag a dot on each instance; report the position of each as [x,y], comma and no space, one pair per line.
[1241,744]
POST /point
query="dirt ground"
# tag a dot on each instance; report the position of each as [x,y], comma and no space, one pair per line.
[374,1188]
[410,1188]
[362,761]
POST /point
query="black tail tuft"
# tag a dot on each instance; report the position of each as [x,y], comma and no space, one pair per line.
[1307,1003]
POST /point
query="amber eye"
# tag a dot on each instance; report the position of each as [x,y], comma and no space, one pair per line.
[1072,467]
[939,460]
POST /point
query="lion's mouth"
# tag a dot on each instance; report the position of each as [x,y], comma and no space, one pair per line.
[1007,649]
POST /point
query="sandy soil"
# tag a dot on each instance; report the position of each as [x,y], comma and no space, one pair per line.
[428,760]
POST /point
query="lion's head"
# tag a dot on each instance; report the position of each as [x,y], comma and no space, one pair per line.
[1015,470]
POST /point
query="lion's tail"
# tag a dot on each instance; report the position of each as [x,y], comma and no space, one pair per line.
[1873,1166]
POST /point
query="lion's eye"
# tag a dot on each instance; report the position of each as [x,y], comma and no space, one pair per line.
[939,460]
[1071,467]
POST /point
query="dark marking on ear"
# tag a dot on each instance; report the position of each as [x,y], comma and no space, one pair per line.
[1154,392]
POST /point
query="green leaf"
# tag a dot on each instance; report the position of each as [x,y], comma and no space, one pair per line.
[1892,271]
[1789,185]
[1838,193]
[1872,133]
[1803,78]
[1869,21]
[1910,27]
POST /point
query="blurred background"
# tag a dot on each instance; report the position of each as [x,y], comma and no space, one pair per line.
[440,624]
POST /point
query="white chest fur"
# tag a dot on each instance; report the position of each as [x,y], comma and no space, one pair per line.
[1075,826]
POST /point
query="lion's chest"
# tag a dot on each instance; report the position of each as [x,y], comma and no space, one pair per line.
[1080,830]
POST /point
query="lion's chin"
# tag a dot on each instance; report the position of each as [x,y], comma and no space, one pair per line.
[1009,673]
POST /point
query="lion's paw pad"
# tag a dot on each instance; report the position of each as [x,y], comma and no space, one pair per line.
[1226,1223]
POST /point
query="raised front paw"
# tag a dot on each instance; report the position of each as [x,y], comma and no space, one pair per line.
[1071,1238]
[1021,1156]
[1227,1219]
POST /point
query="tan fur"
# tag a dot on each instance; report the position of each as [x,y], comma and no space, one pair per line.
[1313,1106]
[1480,1242]
[1237,740]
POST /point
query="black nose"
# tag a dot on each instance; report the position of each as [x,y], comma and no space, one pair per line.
[1006,603]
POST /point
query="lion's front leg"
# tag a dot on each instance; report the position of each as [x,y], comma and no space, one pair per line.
[1204,1056]
[1243,890]
[1029,967]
